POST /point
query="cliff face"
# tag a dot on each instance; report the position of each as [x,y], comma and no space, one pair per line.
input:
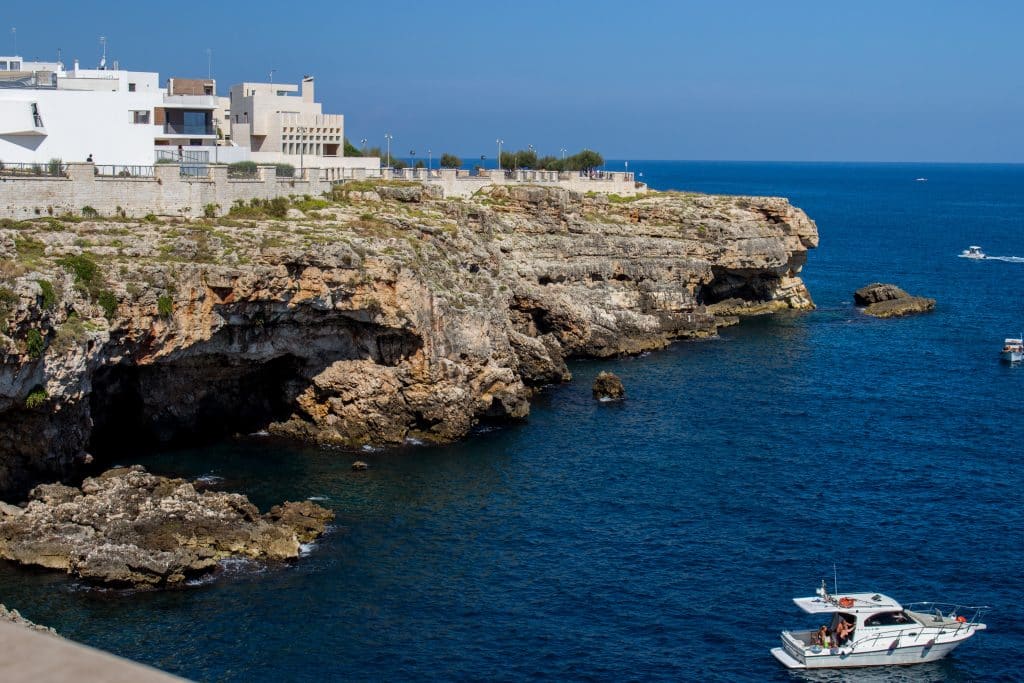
[381,316]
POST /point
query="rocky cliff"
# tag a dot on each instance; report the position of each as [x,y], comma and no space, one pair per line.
[379,315]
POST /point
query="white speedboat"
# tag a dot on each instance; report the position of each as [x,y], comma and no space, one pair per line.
[972,251]
[1013,350]
[881,632]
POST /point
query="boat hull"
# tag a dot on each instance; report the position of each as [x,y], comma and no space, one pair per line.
[1012,356]
[843,658]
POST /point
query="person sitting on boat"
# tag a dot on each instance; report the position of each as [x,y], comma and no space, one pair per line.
[843,631]
[820,636]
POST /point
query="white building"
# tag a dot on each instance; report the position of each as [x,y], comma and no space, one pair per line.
[116,116]
[279,123]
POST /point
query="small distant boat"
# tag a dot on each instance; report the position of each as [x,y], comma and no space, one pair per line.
[1013,350]
[920,180]
[878,632]
[973,251]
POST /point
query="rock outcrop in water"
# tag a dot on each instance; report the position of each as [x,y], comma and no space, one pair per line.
[130,528]
[382,315]
[889,301]
[608,387]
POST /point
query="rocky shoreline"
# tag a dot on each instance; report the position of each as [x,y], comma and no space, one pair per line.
[378,315]
[130,528]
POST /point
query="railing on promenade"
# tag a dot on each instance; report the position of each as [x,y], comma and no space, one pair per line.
[50,169]
[119,171]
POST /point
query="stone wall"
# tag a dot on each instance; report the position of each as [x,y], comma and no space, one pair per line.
[166,193]
[461,184]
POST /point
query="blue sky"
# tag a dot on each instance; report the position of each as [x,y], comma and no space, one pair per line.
[730,79]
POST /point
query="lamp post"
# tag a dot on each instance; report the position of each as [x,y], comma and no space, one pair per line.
[412,159]
[388,137]
[363,142]
[500,143]
[430,161]
[562,150]
[530,147]
[302,147]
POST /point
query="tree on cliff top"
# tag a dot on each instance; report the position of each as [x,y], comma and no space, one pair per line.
[450,161]
[351,150]
[587,160]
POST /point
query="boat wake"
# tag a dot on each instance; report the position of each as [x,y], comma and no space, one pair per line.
[1007,259]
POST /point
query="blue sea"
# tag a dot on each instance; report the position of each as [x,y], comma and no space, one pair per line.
[664,537]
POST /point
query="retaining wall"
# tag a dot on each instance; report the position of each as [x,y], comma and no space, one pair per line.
[167,193]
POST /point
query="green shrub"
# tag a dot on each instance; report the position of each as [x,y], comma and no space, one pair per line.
[8,302]
[277,207]
[35,398]
[108,302]
[165,306]
[34,343]
[211,210]
[249,168]
[55,167]
[86,272]
[90,212]
[49,294]
[150,218]
[165,160]
[450,161]
[285,170]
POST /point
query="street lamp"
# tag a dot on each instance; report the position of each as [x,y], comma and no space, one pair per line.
[430,161]
[500,143]
[363,142]
[388,137]
[530,147]
[562,150]
[412,160]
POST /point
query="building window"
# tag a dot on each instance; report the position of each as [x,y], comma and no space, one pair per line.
[36,118]
[207,89]
[3,66]
[131,87]
[141,116]
[15,66]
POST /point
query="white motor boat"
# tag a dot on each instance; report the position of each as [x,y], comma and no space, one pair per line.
[880,632]
[972,251]
[1013,350]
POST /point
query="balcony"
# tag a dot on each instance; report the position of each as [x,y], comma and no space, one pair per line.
[190,129]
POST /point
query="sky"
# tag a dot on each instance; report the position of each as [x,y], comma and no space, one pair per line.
[787,80]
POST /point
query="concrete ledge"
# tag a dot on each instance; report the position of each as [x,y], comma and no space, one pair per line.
[28,656]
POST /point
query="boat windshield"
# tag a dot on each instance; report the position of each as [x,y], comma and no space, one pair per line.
[888,619]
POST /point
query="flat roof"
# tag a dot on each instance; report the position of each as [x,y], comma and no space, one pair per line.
[862,602]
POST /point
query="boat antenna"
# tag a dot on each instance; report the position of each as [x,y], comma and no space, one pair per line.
[835,578]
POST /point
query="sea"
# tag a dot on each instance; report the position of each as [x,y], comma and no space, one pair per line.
[663,537]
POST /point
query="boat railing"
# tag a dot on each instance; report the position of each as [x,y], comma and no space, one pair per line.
[949,611]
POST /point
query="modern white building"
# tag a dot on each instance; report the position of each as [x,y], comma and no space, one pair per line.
[125,118]
[115,116]
[281,123]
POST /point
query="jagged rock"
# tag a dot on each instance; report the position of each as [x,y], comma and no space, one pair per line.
[359,466]
[390,316]
[608,387]
[129,527]
[889,301]
[14,617]
[877,292]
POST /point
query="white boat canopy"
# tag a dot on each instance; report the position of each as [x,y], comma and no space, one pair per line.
[848,602]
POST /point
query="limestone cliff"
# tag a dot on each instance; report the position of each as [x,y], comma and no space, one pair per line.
[379,315]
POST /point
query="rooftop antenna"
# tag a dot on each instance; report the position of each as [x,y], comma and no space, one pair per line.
[272,76]
[209,63]
[60,55]
[14,37]
[103,59]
